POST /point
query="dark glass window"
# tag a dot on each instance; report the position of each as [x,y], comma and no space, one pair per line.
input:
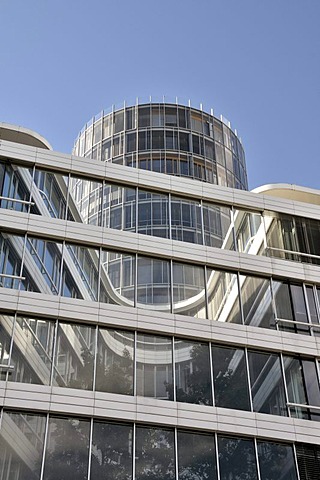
[21,445]
[111,456]
[276,461]
[131,142]
[158,139]
[74,359]
[171,119]
[230,378]
[67,452]
[267,387]
[193,376]
[144,116]
[154,454]
[196,456]
[308,457]
[114,372]
[237,459]
[184,141]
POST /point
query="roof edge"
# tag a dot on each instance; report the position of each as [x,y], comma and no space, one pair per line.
[290,192]
[22,135]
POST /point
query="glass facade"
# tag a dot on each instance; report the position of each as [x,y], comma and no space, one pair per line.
[86,449]
[167,138]
[124,357]
[124,362]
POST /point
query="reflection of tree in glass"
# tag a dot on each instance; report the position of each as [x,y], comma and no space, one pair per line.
[68,449]
[84,377]
[196,456]
[276,461]
[230,378]
[111,452]
[197,388]
[237,459]
[154,454]
[117,376]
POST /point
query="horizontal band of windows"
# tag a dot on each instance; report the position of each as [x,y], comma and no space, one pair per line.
[116,173]
[93,358]
[81,447]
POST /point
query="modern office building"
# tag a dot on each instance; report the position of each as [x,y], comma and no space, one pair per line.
[157,320]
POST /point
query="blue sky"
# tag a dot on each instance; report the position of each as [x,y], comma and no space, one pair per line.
[257,62]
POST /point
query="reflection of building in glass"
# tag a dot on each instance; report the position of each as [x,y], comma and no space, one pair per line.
[155,327]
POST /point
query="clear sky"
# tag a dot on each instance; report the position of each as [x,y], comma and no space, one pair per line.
[255,61]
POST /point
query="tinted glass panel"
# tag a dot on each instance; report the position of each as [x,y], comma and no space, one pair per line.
[154,366]
[237,459]
[32,351]
[111,456]
[230,378]
[114,372]
[223,296]
[21,446]
[196,456]
[6,326]
[267,387]
[276,461]
[153,214]
[154,283]
[189,290]
[67,452]
[193,375]
[154,454]
[256,301]
[74,357]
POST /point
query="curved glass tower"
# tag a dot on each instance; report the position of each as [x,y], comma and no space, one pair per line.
[167,138]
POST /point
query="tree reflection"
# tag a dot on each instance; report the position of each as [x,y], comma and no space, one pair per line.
[154,454]
[237,459]
[111,452]
[193,375]
[68,449]
[117,375]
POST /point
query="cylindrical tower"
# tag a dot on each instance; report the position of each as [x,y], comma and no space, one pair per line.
[167,138]
[175,140]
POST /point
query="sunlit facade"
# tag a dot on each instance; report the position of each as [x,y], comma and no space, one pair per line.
[157,320]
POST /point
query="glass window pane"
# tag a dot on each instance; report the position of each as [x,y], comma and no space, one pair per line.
[230,378]
[237,459]
[308,457]
[74,358]
[114,372]
[193,375]
[217,226]
[85,200]
[43,259]
[6,326]
[303,386]
[16,182]
[153,214]
[257,301]
[117,278]
[67,452]
[153,287]
[83,264]
[196,456]
[186,224]
[276,461]
[111,456]
[154,456]
[189,290]
[11,250]
[32,351]
[223,296]
[21,445]
[267,387]
[249,231]
[53,190]
[154,366]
